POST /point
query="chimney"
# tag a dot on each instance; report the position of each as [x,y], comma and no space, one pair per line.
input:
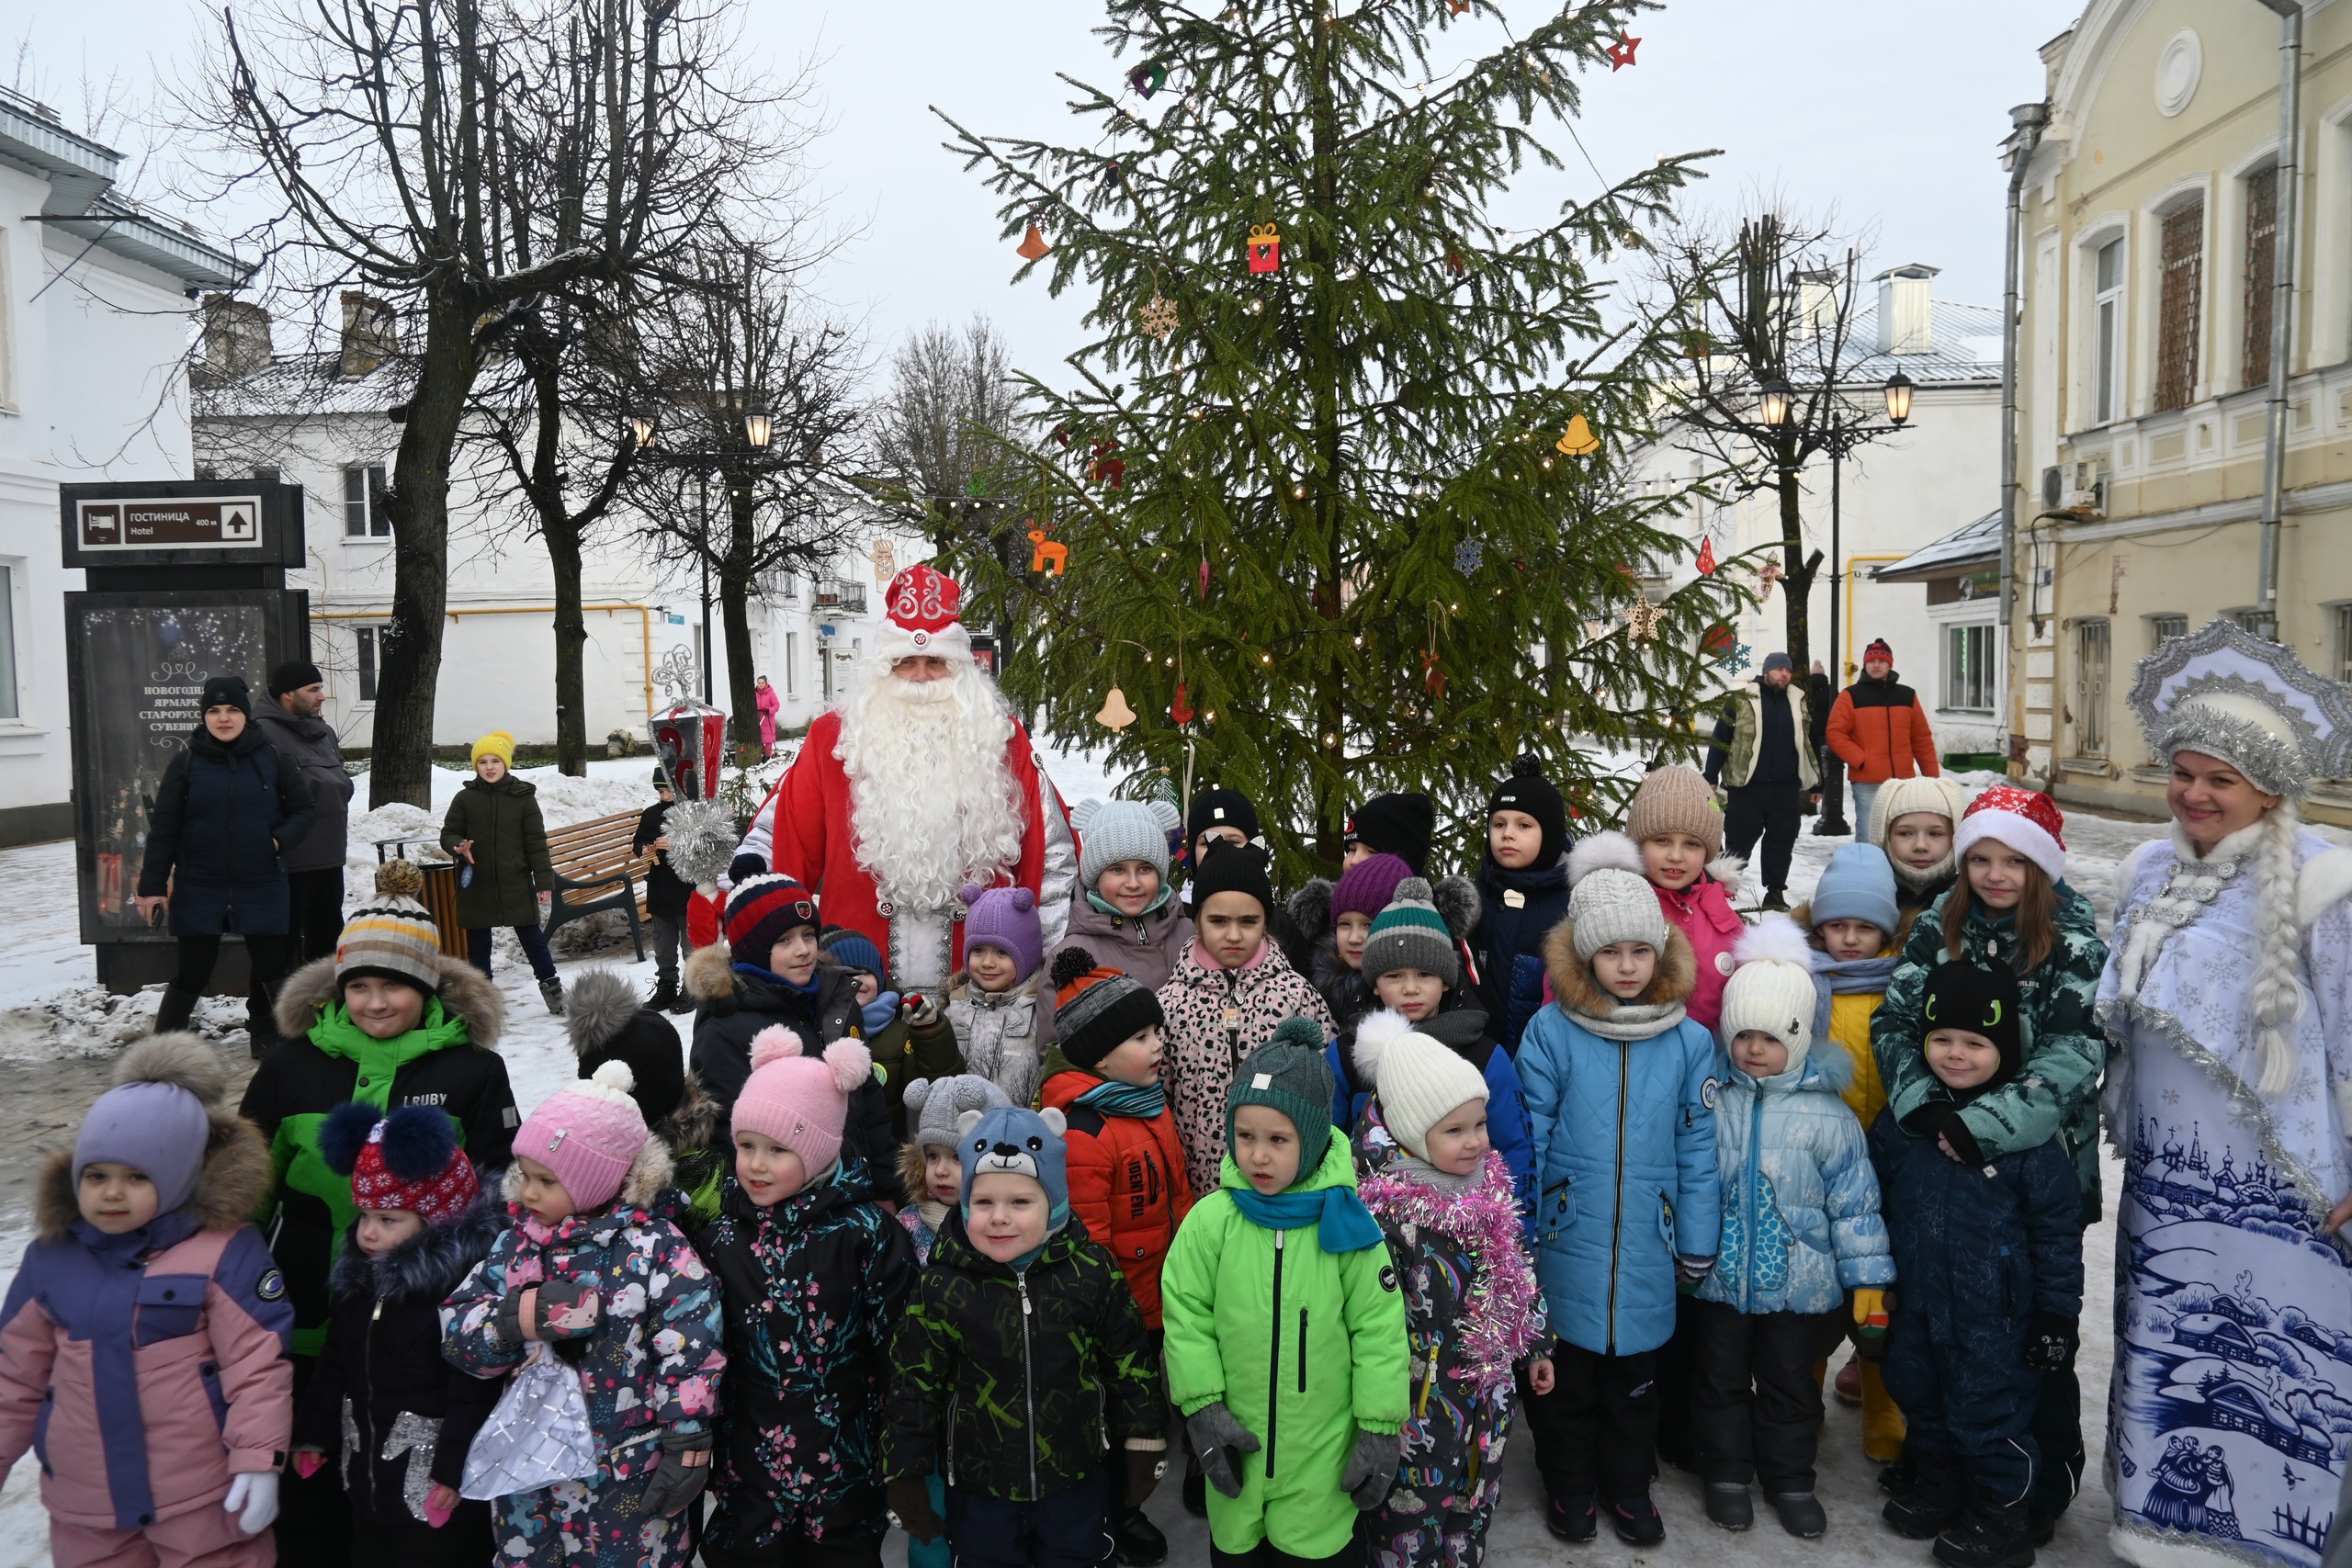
[236,337]
[1818,299]
[1906,309]
[370,337]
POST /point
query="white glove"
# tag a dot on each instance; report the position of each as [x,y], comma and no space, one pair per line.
[252,1498]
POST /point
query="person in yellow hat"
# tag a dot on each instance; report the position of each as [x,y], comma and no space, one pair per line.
[499,841]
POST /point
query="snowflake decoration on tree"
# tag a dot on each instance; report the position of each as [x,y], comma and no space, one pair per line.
[1736,660]
[1468,556]
[1157,317]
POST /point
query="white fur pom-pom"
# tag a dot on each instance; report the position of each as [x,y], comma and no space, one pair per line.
[1609,851]
[851,1063]
[1774,937]
[773,1043]
[614,1075]
[1373,1034]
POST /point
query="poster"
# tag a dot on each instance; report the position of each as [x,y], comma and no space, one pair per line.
[141,672]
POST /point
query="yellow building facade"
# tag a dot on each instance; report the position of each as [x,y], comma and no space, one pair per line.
[2149,221]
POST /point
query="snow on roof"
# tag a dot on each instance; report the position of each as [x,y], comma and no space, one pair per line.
[1966,548]
[1966,346]
[301,386]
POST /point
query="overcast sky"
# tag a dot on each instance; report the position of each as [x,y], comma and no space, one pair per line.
[1888,111]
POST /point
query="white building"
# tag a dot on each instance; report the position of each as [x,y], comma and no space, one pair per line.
[1896,495]
[323,421]
[94,297]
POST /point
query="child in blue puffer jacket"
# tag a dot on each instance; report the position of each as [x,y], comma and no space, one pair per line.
[1621,1087]
[1801,1230]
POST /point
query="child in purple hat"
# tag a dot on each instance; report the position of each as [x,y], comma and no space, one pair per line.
[1001,1014]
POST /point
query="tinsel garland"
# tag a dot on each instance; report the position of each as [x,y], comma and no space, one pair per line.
[1504,1317]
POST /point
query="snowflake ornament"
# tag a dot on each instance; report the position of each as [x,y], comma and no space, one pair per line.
[1468,556]
[1158,317]
[1738,658]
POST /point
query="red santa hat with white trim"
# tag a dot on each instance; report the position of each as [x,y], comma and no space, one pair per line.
[2023,819]
[920,611]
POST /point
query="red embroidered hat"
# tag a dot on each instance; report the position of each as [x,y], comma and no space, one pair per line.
[922,607]
[2022,819]
[409,1159]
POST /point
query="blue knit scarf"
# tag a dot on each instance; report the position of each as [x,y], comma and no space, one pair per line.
[1844,977]
[1115,1098]
[1342,1223]
[773,978]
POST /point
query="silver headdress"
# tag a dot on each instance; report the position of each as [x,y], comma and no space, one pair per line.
[2253,703]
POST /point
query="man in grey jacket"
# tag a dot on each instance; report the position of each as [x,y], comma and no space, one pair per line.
[290,721]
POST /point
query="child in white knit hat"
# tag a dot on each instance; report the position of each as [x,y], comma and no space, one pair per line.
[1473,1312]
[1803,1244]
[1621,1091]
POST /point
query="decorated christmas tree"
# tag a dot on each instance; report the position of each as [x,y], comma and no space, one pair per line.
[1335,505]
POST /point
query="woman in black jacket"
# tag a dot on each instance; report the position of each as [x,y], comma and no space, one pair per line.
[228,807]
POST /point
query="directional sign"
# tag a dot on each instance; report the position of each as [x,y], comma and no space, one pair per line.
[190,523]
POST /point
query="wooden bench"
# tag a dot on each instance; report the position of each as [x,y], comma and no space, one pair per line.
[595,870]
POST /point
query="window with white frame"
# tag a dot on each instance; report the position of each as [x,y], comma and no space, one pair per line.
[1968,666]
[364,516]
[365,638]
[9,708]
[2107,334]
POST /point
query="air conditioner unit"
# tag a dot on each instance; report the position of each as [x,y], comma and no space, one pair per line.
[2087,504]
[2053,488]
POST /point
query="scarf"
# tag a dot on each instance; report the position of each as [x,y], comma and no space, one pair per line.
[773,978]
[1104,907]
[1114,1099]
[880,1013]
[934,1213]
[1846,977]
[1631,1020]
[1410,1167]
[381,1060]
[1342,1223]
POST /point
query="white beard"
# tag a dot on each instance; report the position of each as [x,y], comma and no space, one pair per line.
[933,804]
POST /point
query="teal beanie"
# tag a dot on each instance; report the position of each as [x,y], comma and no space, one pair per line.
[1288,1074]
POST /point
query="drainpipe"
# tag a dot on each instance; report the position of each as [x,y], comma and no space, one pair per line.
[2027,120]
[2282,308]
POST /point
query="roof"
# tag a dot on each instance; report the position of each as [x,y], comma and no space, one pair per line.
[1967,340]
[303,386]
[1969,548]
[83,200]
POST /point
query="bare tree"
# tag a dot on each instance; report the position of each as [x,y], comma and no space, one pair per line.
[1775,335]
[386,133]
[757,398]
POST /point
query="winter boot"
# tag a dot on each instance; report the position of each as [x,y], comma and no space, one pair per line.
[1897,1479]
[1993,1534]
[1139,1541]
[1849,1382]
[1728,1505]
[1774,898]
[665,992]
[1636,1520]
[1801,1514]
[1938,1497]
[1572,1519]
[177,1007]
[551,993]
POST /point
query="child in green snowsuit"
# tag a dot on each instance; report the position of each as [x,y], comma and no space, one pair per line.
[1286,1333]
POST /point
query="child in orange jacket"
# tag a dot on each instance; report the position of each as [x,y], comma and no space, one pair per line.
[1126,1163]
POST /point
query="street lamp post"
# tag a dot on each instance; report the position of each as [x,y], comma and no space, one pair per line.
[759,429]
[1839,438]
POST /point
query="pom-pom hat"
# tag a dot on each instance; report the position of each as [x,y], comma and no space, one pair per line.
[1410,934]
[801,1102]
[1772,991]
[589,1133]
[1419,1081]
[1288,1074]
[1096,1008]
[762,911]
[2022,819]
[934,1104]
[409,1159]
[391,936]
[498,743]
[920,617]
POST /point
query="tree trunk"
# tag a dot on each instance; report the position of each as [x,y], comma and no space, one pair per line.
[408,669]
[1328,485]
[1798,570]
[735,613]
[563,535]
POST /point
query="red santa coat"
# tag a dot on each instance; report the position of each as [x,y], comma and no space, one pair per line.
[804,830]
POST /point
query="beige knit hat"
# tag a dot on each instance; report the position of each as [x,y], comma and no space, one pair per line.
[1900,797]
[1418,1079]
[1675,800]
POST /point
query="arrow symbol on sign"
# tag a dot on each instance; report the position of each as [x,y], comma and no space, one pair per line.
[236,523]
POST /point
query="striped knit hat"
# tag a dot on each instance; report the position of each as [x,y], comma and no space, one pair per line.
[1411,934]
[1096,1008]
[391,936]
[761,911]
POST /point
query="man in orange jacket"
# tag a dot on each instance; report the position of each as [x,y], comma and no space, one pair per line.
[1879,729]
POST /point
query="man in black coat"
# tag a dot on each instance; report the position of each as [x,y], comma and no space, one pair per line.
[290,721]
[666,895]
[1763,759]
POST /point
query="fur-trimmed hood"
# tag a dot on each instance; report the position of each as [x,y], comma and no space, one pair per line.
[649,1173]
[709,973]
[466,993]
[428,1264]
[1577,991]
[694,1125]
[236,1177]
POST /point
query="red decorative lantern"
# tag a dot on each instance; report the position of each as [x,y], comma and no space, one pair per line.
[691,739]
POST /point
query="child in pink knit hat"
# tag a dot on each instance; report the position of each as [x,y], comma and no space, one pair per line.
[592,1271]
[811,1268]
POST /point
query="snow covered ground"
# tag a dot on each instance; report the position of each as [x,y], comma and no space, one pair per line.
[59,1031]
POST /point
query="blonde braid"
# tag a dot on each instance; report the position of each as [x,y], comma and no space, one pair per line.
[2278,1001]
